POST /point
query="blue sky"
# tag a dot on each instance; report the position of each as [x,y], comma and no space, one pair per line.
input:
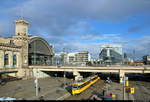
[82,25]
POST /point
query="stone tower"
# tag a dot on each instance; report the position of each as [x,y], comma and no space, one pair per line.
[21,39]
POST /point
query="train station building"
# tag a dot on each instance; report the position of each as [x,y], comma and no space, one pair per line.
[22,50]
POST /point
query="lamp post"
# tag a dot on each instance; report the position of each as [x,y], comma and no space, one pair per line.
[134,54]
[124,88]
[36,82]
[64,79]
[125,79]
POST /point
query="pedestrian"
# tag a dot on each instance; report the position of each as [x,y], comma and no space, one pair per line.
[42,98]
[104,94]
[39,89]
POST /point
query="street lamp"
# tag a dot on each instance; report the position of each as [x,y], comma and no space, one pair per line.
[64,79]
[36,82]
[134,54]
[124,86]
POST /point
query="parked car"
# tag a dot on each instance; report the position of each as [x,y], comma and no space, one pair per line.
[7,98]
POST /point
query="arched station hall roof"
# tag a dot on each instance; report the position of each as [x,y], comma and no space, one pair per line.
[42,46]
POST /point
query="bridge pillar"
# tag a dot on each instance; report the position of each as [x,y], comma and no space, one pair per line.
[21,73]
[121,75]
[76,74]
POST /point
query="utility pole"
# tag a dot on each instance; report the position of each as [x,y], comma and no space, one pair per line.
[123,88]
[64,79]
[134,54]
[37,82]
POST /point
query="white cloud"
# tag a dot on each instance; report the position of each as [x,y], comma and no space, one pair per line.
[56,19]
[141,47]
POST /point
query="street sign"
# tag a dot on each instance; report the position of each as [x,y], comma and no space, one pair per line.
[113,96]
[132,90]
[127,83]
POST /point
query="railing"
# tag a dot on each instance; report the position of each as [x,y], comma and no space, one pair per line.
[96,65]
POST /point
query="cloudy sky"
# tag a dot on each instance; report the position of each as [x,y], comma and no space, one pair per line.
[82,25]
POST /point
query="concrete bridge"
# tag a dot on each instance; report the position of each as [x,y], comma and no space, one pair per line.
[31,71]
[121,70]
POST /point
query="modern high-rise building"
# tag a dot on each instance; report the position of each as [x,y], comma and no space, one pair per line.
[111,53]
[72,58]
[82,57]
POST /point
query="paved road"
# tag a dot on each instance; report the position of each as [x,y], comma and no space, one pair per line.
[117,89]
[142,90]
[50,88]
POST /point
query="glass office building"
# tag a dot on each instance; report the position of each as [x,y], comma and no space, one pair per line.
[111,53]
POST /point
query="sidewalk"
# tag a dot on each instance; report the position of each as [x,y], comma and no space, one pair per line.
[55,94]
[50,88]
[129,97]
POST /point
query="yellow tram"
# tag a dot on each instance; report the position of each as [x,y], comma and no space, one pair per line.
[79,87]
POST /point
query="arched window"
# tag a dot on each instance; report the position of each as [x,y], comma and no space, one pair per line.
[6,61]
[39,52]
[14,60]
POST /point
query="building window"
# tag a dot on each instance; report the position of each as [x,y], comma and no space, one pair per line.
[14,60]
[29,45]
[11,42]
[6,63]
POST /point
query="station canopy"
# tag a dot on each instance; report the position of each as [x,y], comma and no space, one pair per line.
[40,52]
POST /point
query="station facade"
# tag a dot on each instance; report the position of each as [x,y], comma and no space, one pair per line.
[23,50]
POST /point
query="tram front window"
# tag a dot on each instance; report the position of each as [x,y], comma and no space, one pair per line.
[74,87]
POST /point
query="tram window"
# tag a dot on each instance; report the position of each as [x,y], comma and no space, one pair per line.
[85,84]
[75,87]
[79,87]
[94,78]
[82,85]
